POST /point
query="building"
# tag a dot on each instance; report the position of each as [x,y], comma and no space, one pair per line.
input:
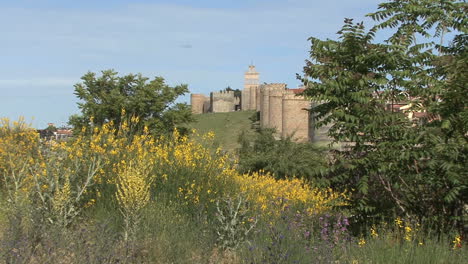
[278,107]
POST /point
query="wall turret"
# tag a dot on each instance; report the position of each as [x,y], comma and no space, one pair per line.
[275,106]
[295,119]
[251,83]
[223,101]
[197,102]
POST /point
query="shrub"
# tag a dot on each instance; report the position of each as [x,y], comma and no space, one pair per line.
[281,158]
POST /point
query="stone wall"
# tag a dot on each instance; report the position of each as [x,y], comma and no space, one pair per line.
[253,97]
[251,83]
[269,105]
[264,106]
[245,102]
[295,119]
[223,101]
[275,110]
[258,95]
[278,107]
[197,102]
[320,134]
[288,113]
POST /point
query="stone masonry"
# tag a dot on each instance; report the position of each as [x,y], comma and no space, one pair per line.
[251,85]
[223,101]
[295,119]
[280,108]
[200,103]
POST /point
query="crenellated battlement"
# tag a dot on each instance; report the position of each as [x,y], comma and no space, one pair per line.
[223,95]
[279,107]
[276,86]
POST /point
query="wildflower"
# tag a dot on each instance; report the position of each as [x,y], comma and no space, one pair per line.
[361,242]
[399,222]
[457,242]
[408,234]
[374,233]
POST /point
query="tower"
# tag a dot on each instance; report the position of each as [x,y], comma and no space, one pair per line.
[249,99]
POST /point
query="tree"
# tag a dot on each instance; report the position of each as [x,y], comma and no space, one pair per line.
[237,92]
[112,98]
[282,158]
[395,165]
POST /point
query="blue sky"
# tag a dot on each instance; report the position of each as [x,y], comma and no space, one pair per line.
[46,46]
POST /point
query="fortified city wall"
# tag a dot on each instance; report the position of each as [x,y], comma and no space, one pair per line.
[251,86]
[200,103]
[245,104]
[279,108]
[295,118]
[275,107]
[223,101]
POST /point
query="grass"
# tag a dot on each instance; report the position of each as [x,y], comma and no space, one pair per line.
[226,126]
[182,222]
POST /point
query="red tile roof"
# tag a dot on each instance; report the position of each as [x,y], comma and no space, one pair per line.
[297,90]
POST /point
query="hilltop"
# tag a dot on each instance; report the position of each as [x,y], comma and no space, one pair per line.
[226,126]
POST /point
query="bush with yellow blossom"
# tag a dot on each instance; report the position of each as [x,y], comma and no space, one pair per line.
[133,193]
[19,150]
[271,196]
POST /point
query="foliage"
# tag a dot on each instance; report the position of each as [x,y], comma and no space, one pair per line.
[234,223]
[416,167]
[271,196]
[282,158]
[133,193]
[237,92]
[225,126]
[294,221]
[152,101]
[71,175]
[405,242]
[19,148]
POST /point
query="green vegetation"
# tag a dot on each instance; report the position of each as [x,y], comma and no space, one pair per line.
[416,168]
[103,98]
[281,157]
[226,126]
[126,191]
[173,200]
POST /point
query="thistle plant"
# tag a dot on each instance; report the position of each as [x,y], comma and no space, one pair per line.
[133,194]
[61,185]
[18,151]
[234,222]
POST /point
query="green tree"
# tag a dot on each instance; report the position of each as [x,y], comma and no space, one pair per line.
[152,101]
[282,158]
[396,165]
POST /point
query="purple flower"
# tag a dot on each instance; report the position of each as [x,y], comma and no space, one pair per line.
[345,221]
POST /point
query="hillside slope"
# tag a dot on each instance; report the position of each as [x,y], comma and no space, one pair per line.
[226,126]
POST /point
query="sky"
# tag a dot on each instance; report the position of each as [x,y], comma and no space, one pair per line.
[46,46]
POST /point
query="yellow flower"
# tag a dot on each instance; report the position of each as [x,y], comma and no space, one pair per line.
[361,242]
[133,187]
[408,234]
[374,233]
[398,222]
[457,242]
